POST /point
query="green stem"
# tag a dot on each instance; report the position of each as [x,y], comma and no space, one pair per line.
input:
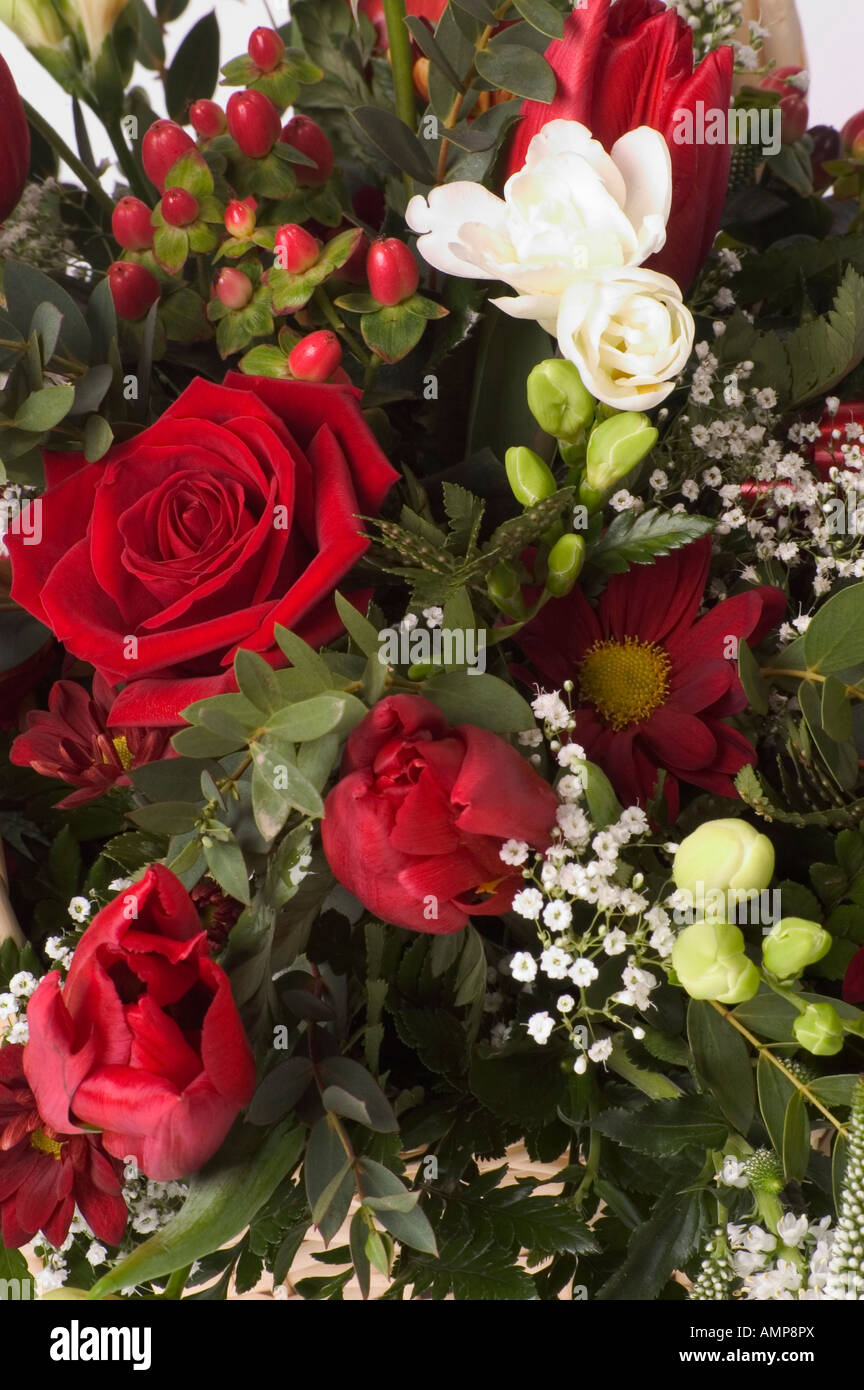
[399,42]
[322,299]
[177,1283]
[126,160]
[59,146]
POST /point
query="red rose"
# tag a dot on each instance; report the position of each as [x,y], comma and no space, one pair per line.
[631,64]
[144,1041]
[14,143]
[415,826]
[238,509]
[44,1175]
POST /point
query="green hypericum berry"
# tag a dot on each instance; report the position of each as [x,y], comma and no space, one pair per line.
[792,944]
[819,1029]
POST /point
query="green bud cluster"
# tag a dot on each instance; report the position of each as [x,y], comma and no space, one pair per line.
[715,1276]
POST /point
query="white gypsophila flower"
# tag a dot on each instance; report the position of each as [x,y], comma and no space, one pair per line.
[549,875]
[600,1050]
[571,210]
[499,1035]
[49,1279]
[690,490]
[615,942]
[605,845]
[583,972]
[79,909]
[96,1254]
[514,852]
[659,480]
[549,707]
[565,1004]
[634,820]
[434,616]
[661,940]
[8,1007]
[570,788]
[555,962]
[557,915]
[540,1027]
[22,984]
[523,967]
[570,755]
[530,738]
[638,1033]
[528,902]
[574,824]
[580,1066]
[118,885]
[19,1032]
[54,948]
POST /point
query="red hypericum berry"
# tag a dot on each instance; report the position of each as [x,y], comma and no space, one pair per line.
[162,146]
[240,217]
[207,118]
[793,106]
[392,271]
[826,146]
[316,357]
[179,207]
[133,288]
[234,288]
[295,249]
[852,136]
[253,122]
[308,137]
[265,48]
[131,225]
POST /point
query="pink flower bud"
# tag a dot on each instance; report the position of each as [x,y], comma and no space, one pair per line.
[179,207]
[162,146]
[308,137]
[253,122]
[234,288]
[296,249]
[316,357]
[265,48]
[207,118]
[133,288]
[392,271]
[852,135]
[793,105]
[131,225]
[240,217]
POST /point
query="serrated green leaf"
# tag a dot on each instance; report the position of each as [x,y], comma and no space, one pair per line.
[637,538]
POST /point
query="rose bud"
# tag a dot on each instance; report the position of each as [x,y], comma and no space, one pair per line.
[253,122]
[564,564]
[131,225]
[852,136]
[265,48]
[723,855]
[392,271]
[296,249]
[308,137]
[826,146]
[316,357]
[133,288]
[792,944]
[233,288]
[179,207]
[557,399]
[162,146]
[709,960]
[529,477]
[240,217]
[819,1029]
[207,118]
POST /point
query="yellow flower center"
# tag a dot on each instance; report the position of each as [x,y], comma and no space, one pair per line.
[39,1140]
[123,753]
[624,681]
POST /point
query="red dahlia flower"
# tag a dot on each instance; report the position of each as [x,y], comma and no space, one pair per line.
[44,1174]
[653,683]
[71,741]
[630,64]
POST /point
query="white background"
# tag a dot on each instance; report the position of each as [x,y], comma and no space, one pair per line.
[833,33]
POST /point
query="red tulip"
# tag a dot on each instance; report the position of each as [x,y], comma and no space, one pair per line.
[233,288]
[179,207]
[316,357]
[296,249]
[253,122]
[133,288]
[308,137]
[131,225]
[207,118]
[265,48]
[14,144]
[392,271]
[163,144]
[628,65]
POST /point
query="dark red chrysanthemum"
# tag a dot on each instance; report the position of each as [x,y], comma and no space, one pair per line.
[71,741]
[652,683]
[44,1175]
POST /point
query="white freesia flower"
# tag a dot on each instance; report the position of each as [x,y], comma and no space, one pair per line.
[572,210]
[629,333]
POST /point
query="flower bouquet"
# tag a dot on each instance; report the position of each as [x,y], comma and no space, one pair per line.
[431,659]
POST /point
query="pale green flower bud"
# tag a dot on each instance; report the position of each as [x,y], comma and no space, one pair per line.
[505,590]
[792,944]
[616,446]
[564,564]
[557,399]
[37,23]
[723,855]
[819,1030]
[529,477]
[709,960]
